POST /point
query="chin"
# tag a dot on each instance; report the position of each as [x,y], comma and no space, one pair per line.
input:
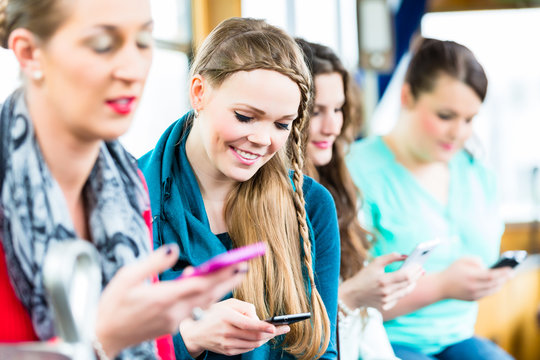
[444,157]
[241,175]
[321,159]
[114,132]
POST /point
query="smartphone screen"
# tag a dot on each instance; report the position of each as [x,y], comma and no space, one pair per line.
[288,319]
[510,259]
[228,258]
[420,254]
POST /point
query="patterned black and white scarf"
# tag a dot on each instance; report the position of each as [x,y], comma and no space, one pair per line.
[34,214]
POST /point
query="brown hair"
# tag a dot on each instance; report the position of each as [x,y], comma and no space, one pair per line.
[335,176]
[275,283]
[431,57]
[41,17]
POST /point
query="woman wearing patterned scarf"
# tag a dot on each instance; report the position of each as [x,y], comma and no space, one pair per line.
[63,174]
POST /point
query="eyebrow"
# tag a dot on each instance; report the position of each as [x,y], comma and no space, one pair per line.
[262,113]
[112,28]
[455,113]
[341,104]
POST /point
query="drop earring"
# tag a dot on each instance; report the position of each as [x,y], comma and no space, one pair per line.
[37,75]
[196,113]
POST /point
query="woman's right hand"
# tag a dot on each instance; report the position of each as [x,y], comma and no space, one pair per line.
[132,309]
[468,279]
[373,287]
[229,327]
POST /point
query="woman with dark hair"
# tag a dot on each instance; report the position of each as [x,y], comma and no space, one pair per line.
[419,184]
[365,289]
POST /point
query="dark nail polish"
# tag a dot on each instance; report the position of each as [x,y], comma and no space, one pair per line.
[240,271]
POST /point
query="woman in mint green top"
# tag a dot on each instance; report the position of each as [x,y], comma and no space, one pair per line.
[419,184]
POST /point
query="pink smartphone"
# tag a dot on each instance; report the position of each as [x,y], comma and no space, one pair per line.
[228,258]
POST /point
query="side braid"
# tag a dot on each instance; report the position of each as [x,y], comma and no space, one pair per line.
[297,164]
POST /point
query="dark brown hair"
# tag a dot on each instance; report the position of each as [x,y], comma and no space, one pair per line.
[41,17]
[431,57]
[335,176]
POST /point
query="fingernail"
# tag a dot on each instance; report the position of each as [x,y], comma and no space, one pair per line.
[169,249]
[287,329]
[240,271]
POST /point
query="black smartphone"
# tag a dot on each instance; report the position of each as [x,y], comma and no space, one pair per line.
[288,319]
[510,259]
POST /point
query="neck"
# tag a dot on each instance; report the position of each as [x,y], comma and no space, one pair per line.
[404,149]
[69,158]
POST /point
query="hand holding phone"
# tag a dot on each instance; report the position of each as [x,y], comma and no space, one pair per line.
[510,259]
[228,258]
[420,254]
[288,319]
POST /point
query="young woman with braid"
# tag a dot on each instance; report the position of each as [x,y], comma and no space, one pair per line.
[229,173]
[365,288]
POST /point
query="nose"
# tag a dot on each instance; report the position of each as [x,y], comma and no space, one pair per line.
[460,129]
[132,64]
[260,136]
[331,122]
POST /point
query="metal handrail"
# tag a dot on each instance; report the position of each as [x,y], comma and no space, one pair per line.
[72,279]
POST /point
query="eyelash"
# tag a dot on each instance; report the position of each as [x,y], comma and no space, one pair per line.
[445,116]
[282,126]
[246,119]
[242,118]
[103,50]
[317,113]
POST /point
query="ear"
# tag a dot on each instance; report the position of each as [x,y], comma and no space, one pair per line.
[407,98]
[25,47]
[197,89]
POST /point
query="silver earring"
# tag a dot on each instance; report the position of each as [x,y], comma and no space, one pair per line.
[196,113]
[37,75]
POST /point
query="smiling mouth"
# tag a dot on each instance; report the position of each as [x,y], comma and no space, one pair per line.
[322,144]
[245,157]
[447,146]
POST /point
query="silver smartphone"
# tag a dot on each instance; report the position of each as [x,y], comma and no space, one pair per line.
[420,253]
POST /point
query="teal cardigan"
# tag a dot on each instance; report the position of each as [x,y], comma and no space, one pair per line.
[179,217]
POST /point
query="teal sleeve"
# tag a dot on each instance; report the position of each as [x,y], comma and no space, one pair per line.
[180,350]
[323,217]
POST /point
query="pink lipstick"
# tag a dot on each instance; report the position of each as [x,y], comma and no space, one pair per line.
[122,105]
[322,144]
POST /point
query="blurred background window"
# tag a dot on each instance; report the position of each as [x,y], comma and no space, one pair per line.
[505,42]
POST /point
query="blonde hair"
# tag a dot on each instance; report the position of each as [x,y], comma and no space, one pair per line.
[275,283]
[41,17]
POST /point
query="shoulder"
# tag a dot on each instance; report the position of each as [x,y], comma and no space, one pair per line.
[316,195]
[162,156]
[371,165]
[321,212]
[473,170]
[368,156]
